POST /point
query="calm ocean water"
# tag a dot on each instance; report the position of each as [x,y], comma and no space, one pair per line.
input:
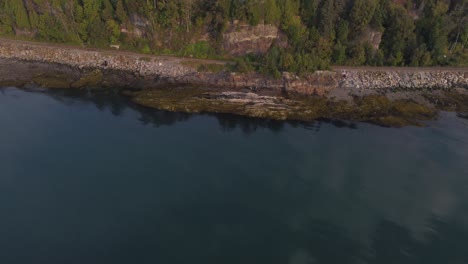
[92,178]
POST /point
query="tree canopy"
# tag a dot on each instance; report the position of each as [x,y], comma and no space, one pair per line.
[319,32]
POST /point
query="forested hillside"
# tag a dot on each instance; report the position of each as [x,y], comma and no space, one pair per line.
[313,34]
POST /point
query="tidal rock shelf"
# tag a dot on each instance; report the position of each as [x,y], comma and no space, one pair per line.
[386,96]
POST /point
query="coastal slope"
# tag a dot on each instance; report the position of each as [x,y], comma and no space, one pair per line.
[194,85]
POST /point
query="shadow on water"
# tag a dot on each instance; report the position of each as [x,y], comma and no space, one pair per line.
[117,104]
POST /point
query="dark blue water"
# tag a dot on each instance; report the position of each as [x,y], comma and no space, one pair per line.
[92,178]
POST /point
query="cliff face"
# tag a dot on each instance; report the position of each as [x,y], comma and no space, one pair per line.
[140,71]
[244,39]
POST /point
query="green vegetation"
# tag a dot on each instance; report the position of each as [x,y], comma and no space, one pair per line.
[319,32]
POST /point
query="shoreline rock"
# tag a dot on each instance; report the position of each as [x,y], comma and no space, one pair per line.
[385,96]
[179,71]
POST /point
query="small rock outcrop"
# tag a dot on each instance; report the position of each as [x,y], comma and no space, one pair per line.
[240,39]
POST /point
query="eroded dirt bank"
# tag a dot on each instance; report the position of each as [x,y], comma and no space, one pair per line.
[387,96]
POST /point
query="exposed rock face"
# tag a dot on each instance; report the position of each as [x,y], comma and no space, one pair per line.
[245,39]
[138,26]
[373,37]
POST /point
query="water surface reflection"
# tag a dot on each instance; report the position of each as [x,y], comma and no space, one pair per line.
[93,178]
[116,104]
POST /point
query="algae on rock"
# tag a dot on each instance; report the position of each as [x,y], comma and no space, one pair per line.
[376,109]
[91,79]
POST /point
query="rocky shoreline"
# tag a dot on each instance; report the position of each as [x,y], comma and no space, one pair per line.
[185,71]
[386,96]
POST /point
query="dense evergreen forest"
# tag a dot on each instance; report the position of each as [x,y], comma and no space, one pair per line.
[319,33]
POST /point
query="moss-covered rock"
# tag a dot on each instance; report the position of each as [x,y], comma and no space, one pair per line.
[380,110]
[376,109]
[56,81]
[89,80]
